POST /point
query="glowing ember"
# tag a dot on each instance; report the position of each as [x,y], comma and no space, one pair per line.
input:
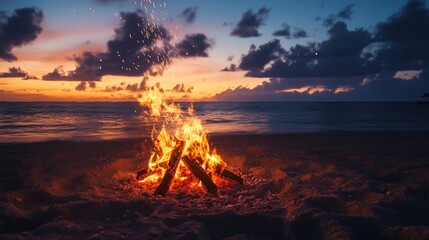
[180,146]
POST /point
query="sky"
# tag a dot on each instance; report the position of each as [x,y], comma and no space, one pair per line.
[241,50]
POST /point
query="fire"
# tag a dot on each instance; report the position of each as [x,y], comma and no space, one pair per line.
[175,125]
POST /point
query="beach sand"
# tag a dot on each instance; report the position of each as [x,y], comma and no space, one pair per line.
[372,185]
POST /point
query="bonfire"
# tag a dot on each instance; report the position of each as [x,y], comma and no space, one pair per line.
[180,148]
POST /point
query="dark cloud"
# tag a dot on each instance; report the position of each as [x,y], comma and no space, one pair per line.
[250,22]
[83,85]
[299,33]
[390,64]
[16,72]
[143,86]
[382,87]
[30,77]
[231,68]
[189,14]
[180,88]
[194,45]
[286,32]
[138,47]
[230,58]
[256,59]
[406,38]
[13,72]
[344,14]
[57,74]
[22,27]
[329,21]
[338,56]
[134,87]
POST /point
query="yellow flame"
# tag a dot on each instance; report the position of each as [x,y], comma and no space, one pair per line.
[187,127]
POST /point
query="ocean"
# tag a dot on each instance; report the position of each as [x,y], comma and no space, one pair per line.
[46,121]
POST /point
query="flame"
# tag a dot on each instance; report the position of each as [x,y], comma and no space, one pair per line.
[175,124]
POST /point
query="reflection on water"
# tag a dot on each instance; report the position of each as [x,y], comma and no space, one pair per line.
[24,122]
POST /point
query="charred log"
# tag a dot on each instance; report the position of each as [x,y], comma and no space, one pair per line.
[225,173]
[173,162]
[199,172]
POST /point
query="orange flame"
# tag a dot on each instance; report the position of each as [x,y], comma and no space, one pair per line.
[177,124]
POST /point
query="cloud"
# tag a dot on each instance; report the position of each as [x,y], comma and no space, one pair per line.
[57,74]
[143,86]
[83,85]
[382,87]
[338,56]
[256,59]
[180,88]
[286,32]
[194,45]
[300,33]
[390,63]
[189,14]
[250,22]
[30,77]
[405,37]
[13,72]
[134,87]
[22,27]
[344,14]
[231,68]
[138,47]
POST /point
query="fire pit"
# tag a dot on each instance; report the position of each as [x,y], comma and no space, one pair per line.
[187,151]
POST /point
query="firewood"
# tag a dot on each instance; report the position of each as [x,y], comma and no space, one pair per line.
[225,173]
[173,162]
[199,172]
[146,172]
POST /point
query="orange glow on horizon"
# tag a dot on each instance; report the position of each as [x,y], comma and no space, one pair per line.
[203,76]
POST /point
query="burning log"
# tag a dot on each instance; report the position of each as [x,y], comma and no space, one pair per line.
[224,173]
[199,172]
[175,158]
[145,172]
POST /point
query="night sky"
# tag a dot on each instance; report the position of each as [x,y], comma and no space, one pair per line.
[112,50]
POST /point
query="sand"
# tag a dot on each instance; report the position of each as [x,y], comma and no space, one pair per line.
[372,185]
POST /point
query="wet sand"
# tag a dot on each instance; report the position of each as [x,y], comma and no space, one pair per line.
[366,185]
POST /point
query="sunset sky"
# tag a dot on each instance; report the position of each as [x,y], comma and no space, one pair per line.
[241,50]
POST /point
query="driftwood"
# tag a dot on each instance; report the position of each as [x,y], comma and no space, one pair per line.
[176,155]
[199,172]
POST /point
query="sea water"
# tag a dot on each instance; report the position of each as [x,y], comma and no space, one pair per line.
[44,121]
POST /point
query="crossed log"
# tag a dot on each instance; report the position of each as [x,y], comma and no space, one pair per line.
[193,164]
